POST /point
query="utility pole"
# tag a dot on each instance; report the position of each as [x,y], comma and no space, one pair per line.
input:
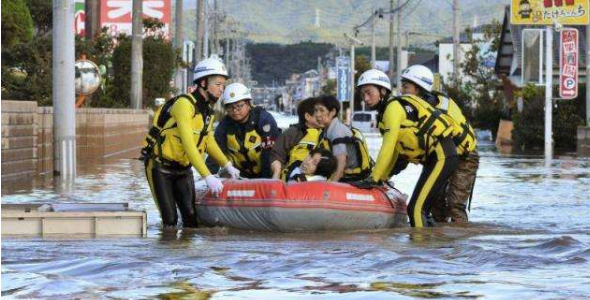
[64,111]
[373,54]
[399,45]
[352,85]
[200,32]
[178,43]
[391,40]
[178,37]
[588,75]
[549,97]
[91,23]
[206,29]
[226,56]
[215,15]
[352,41]
[407,41]
[136,55]
[456,41]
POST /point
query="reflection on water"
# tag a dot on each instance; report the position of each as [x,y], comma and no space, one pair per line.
[529,239]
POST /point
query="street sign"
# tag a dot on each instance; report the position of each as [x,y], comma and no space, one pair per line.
[79,18]
[568,63]
[532,56]
[343,79]
[116,15]
[547,12]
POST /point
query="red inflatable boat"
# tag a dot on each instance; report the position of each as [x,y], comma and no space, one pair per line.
[272,205]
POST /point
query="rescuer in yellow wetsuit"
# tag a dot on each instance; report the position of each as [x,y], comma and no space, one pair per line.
[247,133]
[182,132]
[416,132]
[416,80]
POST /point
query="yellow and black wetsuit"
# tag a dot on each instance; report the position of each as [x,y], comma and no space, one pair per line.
[180,135]
[248,144]
[413,130]
[463,133]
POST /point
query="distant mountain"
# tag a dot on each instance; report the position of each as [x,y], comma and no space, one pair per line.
[291,21]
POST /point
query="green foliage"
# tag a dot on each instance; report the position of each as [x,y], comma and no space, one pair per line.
[159,61]
[529,130]
[17,24]
[329,88]
[26,71]
[26,66]
[361,64]
[274,62]
[42,14]
[382,53]
[482,103]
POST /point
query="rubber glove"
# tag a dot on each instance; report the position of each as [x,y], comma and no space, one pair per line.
[231,170]
[215,185]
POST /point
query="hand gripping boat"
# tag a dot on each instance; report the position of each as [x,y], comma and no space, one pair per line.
[272,205]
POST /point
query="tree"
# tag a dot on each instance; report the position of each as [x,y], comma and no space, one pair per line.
[17,24]
[529,124]
[274,62]
[361,64]
[476,91]
[159,62]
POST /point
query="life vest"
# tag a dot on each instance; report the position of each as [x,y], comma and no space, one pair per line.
[303,178]
[364,160]
[307,143]
[421,130]
[244,144]
[463,133]
[163,140]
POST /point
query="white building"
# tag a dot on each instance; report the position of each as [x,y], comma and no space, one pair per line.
[446,56]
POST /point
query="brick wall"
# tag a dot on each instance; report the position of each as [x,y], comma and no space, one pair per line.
[583,143]
[18,139]
[27,136]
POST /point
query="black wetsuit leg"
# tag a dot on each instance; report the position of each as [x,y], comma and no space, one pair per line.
[171,188]
[439,166]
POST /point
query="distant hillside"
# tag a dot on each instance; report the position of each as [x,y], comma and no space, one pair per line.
[279,21]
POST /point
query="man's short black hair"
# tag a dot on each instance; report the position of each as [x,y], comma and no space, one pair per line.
[305,106]
[327,164]
[330,102]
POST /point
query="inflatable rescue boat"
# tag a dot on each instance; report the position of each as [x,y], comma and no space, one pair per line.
[272,205]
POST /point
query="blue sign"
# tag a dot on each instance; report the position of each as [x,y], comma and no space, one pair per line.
[343,84]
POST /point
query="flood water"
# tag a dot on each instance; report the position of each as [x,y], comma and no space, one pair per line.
[529,239]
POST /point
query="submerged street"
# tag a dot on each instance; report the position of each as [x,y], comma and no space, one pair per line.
[529,238]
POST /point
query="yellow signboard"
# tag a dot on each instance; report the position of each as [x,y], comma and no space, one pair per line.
[545,12]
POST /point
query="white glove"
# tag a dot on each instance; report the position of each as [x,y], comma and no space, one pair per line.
[215,185]
[231,170]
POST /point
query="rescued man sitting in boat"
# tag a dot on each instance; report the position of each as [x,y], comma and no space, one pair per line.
[318,165]
[346,143]
[295,143]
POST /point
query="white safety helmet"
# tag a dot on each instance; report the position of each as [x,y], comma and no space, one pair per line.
[420,75]
[236,92]
[210,66]
[375,77]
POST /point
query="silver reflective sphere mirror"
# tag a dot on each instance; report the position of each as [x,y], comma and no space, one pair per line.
[87,77]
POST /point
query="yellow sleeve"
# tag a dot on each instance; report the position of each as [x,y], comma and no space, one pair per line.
[214,150]
[182,111]
[392,119]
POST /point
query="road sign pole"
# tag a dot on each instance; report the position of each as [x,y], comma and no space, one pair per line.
[548,96]
[351,82]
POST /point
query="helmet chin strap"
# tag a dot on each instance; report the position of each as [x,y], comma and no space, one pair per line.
[210,97]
